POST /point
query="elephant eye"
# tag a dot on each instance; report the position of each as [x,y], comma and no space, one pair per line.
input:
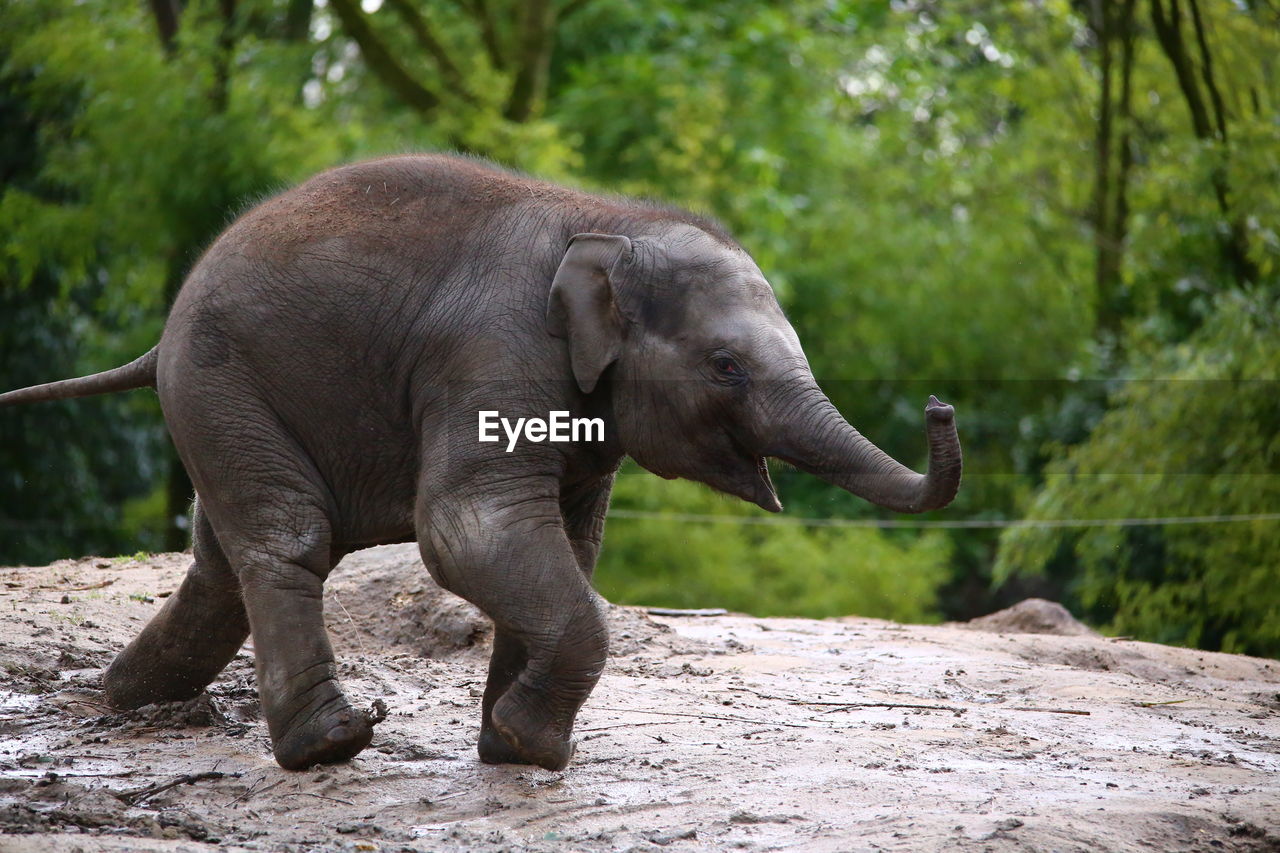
[727,367]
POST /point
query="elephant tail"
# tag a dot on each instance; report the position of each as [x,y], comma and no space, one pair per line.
[139,373]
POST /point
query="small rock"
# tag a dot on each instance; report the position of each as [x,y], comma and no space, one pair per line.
[663,839]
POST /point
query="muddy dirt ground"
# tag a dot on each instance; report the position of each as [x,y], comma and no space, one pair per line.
[706,733]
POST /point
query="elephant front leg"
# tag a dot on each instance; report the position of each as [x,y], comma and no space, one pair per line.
[583,509]
[515,562]
[505,665]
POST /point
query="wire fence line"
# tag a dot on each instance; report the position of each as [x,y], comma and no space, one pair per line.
[786,521]
[962,523]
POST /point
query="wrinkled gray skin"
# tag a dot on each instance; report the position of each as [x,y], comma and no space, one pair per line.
[320,374]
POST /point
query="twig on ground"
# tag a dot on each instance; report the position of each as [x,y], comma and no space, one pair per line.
[254,789]
[100,585]
[676,611]
[1054,711]
[137,795]
[770,723]
[359,642]
[850,706]
[1169,702]
[323,797]
[123,774]
[620,726]
[88,703]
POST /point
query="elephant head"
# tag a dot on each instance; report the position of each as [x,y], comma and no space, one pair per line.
[708,378]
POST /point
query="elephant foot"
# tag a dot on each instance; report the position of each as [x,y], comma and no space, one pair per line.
[530,733]
[180,651]
[141,676]
[336,732]
[494,749]
[127,686]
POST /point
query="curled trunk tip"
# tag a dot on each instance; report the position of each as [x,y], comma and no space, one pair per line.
[841,455]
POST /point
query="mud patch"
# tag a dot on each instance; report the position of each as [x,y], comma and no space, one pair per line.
[715,732]
[53,805]
[200,712]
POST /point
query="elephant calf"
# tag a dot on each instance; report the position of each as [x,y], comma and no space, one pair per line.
[321,373]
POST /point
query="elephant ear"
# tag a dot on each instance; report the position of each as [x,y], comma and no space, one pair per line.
[582,307]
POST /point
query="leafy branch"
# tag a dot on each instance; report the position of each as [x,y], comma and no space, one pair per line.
[524,53]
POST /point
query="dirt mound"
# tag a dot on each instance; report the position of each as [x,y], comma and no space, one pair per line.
[384,599]
[388,602]
[1032,616]
[706,732]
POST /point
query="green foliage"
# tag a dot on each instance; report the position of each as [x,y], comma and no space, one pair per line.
[1194,436]
[127,165]
[918,180]
[764,569]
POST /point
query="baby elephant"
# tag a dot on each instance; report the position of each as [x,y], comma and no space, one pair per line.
[324,371]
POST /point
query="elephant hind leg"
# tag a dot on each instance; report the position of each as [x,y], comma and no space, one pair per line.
[273,515]
[282,556]
[194,636]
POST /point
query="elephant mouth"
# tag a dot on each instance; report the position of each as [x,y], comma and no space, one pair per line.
[759,490]
[739,472]
[766,496]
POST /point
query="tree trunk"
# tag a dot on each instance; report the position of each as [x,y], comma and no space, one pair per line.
[1115,161]
[166,14]
[1212,131]
[489,35]
[221,92]
[297,20]
[379,59]
[1105,260]
[533,59]
[1236,247]
[1120,214]
[427,40]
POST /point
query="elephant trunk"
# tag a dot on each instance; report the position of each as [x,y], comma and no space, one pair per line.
[817,439]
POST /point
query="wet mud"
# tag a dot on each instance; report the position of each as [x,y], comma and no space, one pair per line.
[707,732]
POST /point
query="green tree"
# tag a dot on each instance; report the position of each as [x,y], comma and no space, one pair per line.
[130,153]
[1194,436]
[1017,206]
[1185,426]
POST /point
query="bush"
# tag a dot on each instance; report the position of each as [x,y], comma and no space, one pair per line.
[1201,441]
[769,569]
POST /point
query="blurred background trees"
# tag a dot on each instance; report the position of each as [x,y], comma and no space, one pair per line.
[1060,216]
